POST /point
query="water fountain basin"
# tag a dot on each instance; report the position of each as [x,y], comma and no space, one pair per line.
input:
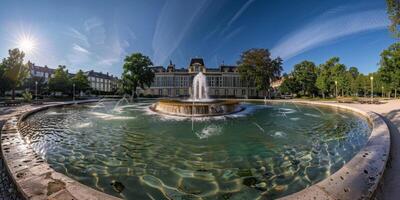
[196,108]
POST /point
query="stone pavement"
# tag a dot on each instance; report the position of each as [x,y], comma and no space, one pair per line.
[8,190]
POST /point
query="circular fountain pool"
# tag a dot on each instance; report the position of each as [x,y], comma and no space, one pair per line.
[133,153]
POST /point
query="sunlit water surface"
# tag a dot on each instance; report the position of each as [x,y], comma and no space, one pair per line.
[267,151]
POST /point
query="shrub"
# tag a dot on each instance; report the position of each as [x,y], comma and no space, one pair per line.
[27,96]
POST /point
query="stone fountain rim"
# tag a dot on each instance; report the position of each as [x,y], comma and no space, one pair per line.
[357,179]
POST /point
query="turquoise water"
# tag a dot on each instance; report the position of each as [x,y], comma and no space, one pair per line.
[267,151]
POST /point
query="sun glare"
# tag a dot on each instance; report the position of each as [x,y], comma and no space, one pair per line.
[27,44]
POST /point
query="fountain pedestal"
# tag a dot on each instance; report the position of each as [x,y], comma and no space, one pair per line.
[196,109]
[199,105]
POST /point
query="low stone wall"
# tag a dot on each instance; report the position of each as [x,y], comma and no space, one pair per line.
[34,178]
[360,177]
[357,179]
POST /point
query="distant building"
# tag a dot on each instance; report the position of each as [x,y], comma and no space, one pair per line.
[223,81]
[40,72]
[102,82]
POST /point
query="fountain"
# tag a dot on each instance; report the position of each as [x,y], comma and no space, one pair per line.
[199,104]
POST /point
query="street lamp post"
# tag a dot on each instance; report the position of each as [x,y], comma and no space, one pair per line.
[73,92]
[336,89]
[36,91]
[372,89]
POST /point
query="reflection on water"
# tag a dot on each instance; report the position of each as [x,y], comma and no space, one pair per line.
[268,150]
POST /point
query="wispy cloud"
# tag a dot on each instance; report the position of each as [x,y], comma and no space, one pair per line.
[91,46]
[79,36]
[328,28]
[173,23]
[240,12]
[78,48]
[237,15]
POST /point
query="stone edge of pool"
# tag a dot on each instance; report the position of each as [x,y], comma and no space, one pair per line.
[35,179]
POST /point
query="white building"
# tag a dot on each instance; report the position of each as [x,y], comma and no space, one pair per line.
[223,82]
[40,72]
[102,82]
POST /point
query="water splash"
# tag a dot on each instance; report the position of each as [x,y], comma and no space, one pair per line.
[123,101]
[208,131]
[200,88]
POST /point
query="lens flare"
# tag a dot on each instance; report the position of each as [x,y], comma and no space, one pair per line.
[27,44]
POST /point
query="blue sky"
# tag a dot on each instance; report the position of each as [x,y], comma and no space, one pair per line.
[99,34]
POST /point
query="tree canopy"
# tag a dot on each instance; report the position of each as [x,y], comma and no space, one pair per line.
[137,72]
[81,81]
[258,65]
[60,82]
[390,67]
[14,70]
[305,74]
[393,10]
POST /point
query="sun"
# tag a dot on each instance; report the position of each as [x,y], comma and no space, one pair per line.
[27,44]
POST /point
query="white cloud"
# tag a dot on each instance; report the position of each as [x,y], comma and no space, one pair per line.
[93,48]
[78,48]
[78,35]
[328,28]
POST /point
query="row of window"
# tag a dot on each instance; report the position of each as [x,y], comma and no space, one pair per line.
[185,92]
[186,81]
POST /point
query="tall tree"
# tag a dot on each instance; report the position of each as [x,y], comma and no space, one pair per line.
[81,81]
[137,72]
[289,86]
[393,10]
[305,73]
[15,71]
[324,79]
[60,82]
[390,67]
[266,69]
[4,82]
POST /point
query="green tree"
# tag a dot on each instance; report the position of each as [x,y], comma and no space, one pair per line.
[60,82]
[81,81]
[305,73]
[4,83]
[137,72]
[338,72]
[390,67]
[15,71]
[393,10]
[265,68]
[324,79]
[289,86]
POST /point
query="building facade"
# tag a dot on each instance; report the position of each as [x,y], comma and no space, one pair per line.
[102,82]
[40,72]
[223,82]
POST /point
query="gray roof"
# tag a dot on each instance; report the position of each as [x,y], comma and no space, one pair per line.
[100,75]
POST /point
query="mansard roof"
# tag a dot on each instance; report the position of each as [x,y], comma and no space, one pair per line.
[196,60]
[99,75]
